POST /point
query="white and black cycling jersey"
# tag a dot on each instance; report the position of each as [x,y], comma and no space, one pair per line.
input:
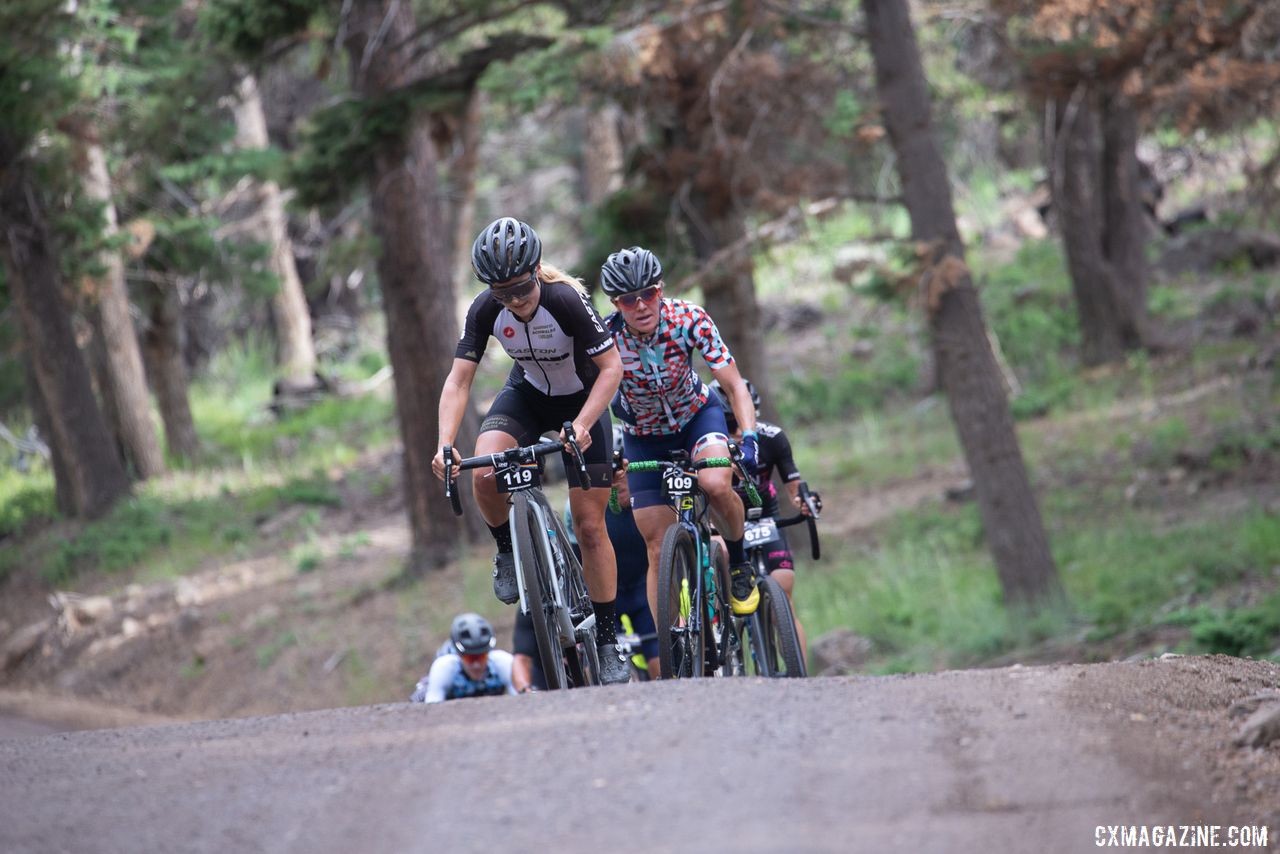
[448,679]
[553,351]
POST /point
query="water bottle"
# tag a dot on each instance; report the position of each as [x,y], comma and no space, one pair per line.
[555,545]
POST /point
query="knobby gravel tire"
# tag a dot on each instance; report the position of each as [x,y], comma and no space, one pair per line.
[536,564]
[682,654]
[781,642]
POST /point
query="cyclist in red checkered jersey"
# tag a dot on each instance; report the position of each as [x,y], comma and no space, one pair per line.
[664,405]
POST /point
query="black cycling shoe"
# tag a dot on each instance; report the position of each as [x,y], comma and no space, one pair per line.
[613,665]
[504,578]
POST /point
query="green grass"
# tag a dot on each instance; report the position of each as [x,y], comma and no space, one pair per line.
[1123,573]
[927,595]
[254,466]
[853,384]
[230,407]
[876,448]
[25,500]
[159,535]
[805,266]
[267,653]
[1252,631]
[307,557]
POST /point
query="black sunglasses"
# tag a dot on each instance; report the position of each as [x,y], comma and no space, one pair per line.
[646,295]
[511,293]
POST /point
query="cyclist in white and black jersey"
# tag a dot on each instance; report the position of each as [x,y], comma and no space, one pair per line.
[567,369]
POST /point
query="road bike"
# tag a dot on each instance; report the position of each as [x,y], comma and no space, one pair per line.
[771,630]
[697,634]
[548,573]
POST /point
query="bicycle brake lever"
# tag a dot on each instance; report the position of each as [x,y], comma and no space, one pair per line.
[450,490]
[584,480]
[753,496]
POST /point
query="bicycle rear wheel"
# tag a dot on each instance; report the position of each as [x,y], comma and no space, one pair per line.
[779,643]
[536,567]
[725,654]
[680,623]
[755,627]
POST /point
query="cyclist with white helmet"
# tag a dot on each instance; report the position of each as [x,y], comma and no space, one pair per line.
[664,406]
[566,369]
[469,667]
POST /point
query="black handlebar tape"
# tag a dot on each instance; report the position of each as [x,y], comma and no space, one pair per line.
[450,488]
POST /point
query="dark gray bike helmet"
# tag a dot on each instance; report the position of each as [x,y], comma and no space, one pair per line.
[506,248]
[630,270]
[471,634]
[724,397]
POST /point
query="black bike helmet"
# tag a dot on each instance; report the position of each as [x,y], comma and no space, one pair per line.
[506,248]
[630,270]
[724,397]
[471,634]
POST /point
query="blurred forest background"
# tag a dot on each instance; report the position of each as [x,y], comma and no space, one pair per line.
[1007,272]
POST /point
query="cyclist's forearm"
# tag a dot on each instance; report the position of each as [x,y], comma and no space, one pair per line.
[453,403]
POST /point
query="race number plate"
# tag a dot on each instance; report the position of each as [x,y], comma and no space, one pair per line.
[677,484]
[759,533]
[517,478]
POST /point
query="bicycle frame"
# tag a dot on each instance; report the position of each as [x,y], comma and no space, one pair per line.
[566,619]
[542,510]
[697,607]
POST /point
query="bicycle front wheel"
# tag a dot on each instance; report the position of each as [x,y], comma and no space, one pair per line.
[582,660]
[779,643]
[680,625]
[536,566]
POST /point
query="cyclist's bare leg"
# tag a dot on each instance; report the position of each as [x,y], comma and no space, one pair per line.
[718,486]
[492,504]
[599,565]
[521,672]
[653,523]
[786,579]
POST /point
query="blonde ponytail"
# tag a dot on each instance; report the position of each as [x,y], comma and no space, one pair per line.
[552,273]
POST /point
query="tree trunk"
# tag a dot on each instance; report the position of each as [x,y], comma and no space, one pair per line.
[162,344]
[418,295]
[124,373]
[95,352]
[1124,240]
[729,294]
[62,497]
[601,155]
[967,368]
[92,474]
[296,355]
[1094,179]
[463,178]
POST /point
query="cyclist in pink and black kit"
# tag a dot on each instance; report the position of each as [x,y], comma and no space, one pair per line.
[775,455]
[664,405]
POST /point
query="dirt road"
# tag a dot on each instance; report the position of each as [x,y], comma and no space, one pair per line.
[1011,760]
